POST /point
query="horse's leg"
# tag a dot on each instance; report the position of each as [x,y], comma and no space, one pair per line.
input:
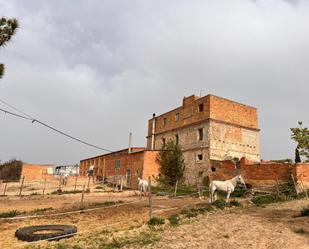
[215,195]
[228,195]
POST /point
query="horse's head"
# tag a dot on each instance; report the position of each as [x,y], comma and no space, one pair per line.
[241,180]
[138,179]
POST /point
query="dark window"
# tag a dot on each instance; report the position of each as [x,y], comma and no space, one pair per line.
[201,107]
[200,134]
[117,164]
[200,157]
[213,169]
[163,141]
[176,116]
[177,139]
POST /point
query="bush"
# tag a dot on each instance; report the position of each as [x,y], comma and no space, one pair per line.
[220,203]
[156,221]
[239,192]
[266,199]
[174,220]
[304,211]
[300,231]
[234,203]
[10,214]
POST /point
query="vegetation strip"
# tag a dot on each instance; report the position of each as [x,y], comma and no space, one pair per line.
[70,212]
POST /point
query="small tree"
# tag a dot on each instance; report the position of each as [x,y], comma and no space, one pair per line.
[7,30]
[171,162]
[297,156]
[301,136]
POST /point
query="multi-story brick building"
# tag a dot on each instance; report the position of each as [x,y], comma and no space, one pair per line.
[129,163]
[207,128]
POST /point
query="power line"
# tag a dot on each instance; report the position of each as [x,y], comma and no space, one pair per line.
[33,120]
[16,109]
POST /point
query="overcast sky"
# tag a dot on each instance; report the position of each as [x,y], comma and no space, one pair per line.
[98,69]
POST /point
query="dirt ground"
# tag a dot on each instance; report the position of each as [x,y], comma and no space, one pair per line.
[271,227]
[241,228]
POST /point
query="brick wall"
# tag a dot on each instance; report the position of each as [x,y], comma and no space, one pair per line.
[260,174]
[232,112]
[36,171]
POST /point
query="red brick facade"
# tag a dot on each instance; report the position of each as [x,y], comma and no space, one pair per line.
[139,163]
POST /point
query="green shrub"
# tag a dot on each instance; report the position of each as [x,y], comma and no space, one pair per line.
[304,211]
[99,187]
[300,231]
[266,199]
[156,221]
[234,203]
[174,220]
[220,203]
[238,192]
[10,214]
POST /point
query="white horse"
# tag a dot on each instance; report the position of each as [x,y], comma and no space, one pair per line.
[228,186]
[143,187]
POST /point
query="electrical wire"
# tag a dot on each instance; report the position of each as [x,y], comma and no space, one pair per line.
[33,120]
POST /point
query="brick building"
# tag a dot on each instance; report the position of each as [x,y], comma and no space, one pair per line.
[207,128]
[131,163]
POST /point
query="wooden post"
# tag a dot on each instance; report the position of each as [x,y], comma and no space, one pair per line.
[277,186]
[75,183]
[175,192]
[60,178]
[82,199]
[295,186]
[88,184]
[5,187]
[150,197]
[121,183]
[103,170]
[44,186]
[21,186]
[303,187]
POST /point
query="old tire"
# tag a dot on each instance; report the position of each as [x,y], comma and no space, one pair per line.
[32,233]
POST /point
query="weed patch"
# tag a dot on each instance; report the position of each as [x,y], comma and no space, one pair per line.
[156,221]
[267,199]
[10,214]
[174,220]
[301,231]
[220,203]
[304,211]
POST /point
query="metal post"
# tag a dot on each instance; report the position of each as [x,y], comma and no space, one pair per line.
[5,187]
[44,186]
[82,199]
[176,185]
[21,186]
[150,197]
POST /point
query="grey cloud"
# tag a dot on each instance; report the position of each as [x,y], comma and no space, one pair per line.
[98,69]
